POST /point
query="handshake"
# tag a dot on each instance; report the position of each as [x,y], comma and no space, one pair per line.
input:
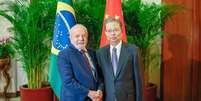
[95,95]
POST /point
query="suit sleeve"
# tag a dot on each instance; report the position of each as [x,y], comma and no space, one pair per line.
[67,76]
[138,74]
[100,74]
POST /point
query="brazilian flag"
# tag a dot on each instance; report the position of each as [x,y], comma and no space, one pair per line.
[65,19]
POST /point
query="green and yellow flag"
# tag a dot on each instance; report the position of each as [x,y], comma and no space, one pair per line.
[65,19]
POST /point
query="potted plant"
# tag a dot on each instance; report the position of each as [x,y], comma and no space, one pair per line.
[144,23]
[33,25]
[6,52]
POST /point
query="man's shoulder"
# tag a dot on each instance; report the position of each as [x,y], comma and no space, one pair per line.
[103,49]
[131,46]
[90,50]
[67,50]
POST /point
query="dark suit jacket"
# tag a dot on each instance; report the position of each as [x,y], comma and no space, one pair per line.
[127,85]
[77,78]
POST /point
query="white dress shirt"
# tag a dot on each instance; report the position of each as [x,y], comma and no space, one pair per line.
[118,47]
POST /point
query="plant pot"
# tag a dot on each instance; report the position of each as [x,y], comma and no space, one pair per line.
[40,94]
[150,92]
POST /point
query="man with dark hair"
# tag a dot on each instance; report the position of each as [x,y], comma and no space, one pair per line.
[121,65]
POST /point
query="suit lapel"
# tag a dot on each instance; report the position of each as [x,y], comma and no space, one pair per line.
[92,59]
[86,66]
[83,62]
[108,60]
[93,63]
[122,59]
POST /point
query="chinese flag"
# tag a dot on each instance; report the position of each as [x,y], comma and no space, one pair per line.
[113,8]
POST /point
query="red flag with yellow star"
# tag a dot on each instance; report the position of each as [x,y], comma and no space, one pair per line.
[113,8]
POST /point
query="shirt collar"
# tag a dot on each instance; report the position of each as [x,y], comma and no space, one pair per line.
[118,46]
[85,50]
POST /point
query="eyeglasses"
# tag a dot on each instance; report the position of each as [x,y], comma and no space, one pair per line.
[112,30]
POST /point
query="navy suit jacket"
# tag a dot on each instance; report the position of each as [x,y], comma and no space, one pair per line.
[77,78]
[127,84]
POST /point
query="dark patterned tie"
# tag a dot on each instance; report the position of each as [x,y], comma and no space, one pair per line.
[114,60]
[89,63]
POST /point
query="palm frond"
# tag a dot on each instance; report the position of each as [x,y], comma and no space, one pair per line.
[32,28]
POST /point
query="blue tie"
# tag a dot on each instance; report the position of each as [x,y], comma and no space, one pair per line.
[114,60]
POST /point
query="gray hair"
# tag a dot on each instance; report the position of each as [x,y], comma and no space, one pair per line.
[76,26]
[113,19]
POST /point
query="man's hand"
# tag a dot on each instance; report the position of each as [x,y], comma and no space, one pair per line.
[95,95]
[92,95]
[99,95]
